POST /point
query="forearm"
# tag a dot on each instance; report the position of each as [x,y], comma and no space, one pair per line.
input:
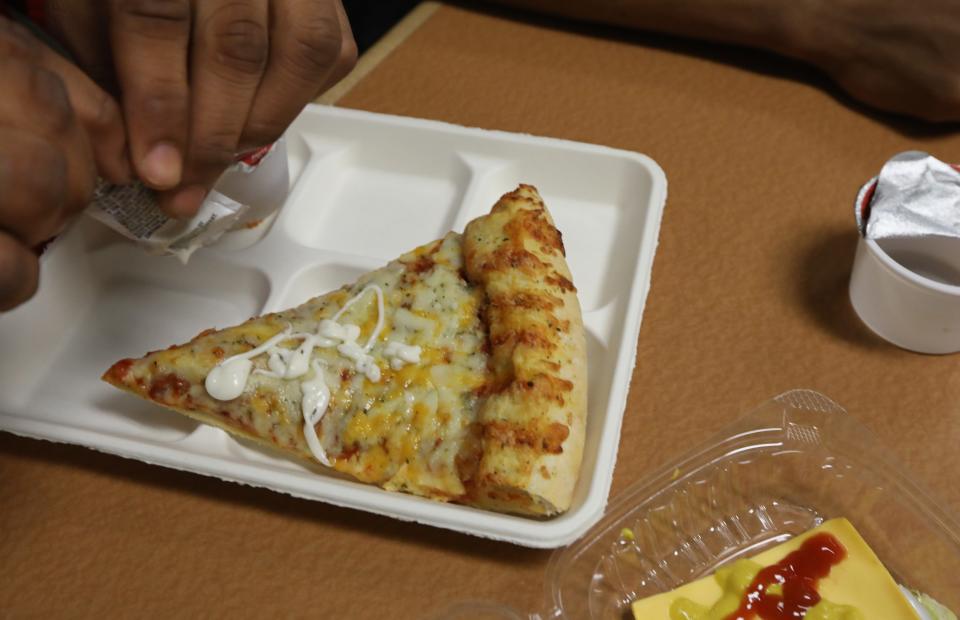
[768,24]
[898,56]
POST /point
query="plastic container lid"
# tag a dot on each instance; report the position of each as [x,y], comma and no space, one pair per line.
[783,469]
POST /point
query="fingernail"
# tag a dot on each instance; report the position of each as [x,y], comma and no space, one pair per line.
[186,202]
[162,166]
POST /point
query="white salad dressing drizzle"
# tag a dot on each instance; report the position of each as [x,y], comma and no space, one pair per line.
[228,379]
[363,362]
[298,363]
[376,330]
[400,354]
[330,332]
[316,398]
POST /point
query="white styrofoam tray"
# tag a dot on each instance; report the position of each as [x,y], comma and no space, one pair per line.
[365,188]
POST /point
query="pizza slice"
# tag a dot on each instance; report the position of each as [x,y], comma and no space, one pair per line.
[456,372]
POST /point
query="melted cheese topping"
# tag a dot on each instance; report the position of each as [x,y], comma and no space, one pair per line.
[397,410]
[228,379]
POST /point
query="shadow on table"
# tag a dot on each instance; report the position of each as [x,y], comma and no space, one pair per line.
[255,498]
[822,287]
[751,59]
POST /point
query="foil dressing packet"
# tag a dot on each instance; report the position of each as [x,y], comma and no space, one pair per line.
[915,195]
[252,189]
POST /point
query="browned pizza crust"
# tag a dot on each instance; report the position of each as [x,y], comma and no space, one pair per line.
[534,416]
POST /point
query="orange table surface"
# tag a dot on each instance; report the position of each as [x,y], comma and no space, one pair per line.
[749,299]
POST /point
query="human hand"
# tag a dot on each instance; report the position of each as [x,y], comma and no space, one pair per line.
[201,81]
[56,128]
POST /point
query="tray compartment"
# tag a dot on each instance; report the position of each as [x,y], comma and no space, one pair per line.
[319,279]
[366,188]
[379,200]
[135,303]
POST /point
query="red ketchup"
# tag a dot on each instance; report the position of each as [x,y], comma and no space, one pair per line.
[799,573]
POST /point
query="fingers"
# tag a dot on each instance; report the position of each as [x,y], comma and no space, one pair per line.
[98,114]
[348,52]
[310,45]
[19,272]
[83,28]
[35,101]
[96,111]
[230,48]
[17,42]
[34,178]
[46,162]
[150,41]
[254,65]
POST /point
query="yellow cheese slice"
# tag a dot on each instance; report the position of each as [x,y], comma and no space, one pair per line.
[860,581]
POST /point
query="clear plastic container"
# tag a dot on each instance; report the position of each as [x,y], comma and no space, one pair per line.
[794,462]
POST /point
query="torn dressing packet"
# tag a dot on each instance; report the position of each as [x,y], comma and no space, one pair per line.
[248,192]
[915,195]
[133,211]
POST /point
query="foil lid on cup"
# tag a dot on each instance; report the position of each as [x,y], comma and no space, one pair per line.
[905,282]
[915,195]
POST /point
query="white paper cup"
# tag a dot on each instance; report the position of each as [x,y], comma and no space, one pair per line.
[908,291]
